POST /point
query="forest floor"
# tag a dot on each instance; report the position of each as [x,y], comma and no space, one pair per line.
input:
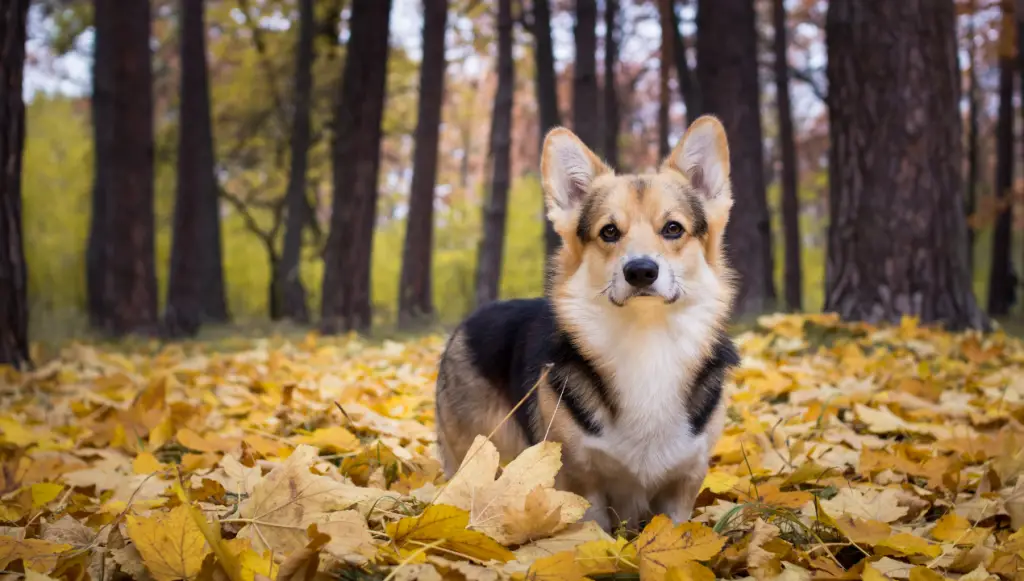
[850,452]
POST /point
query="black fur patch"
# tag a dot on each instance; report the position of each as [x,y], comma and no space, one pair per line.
[511,343]
[706,391]
[700,220]
[588,214]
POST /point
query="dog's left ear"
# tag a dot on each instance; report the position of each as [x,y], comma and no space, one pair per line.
[568,169]
[703,157]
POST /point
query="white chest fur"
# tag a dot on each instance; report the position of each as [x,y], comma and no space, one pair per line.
[650,355]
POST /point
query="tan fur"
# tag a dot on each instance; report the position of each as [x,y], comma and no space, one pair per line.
[690,187]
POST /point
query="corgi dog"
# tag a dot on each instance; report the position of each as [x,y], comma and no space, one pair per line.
[624,361]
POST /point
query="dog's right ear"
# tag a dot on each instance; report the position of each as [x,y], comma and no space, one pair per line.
[568,168]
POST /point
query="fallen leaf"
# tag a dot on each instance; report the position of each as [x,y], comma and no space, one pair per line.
[445,527]
[171,545]
[662,546]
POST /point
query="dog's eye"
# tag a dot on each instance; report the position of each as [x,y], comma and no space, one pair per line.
[609,233]
[672,230]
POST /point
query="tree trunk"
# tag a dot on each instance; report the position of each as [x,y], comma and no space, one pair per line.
[1002,281]
[727,71]
[291,295]
[897,228]
[196,287]
[356,163]
[664,68]
[688,85]
[130,277]
[13,271]
[488,266]
[415,302]
[586,122]
[787,146]
[973,111]
[102,105]
[611,93]
[547,97]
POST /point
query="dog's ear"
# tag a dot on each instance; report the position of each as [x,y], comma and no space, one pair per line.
[703,157]
[568,169]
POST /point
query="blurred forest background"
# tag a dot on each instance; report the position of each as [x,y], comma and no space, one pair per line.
[191,162]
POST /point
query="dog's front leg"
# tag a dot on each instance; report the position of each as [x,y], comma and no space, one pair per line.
[676,500]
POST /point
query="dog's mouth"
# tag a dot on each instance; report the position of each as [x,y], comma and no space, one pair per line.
[645,293]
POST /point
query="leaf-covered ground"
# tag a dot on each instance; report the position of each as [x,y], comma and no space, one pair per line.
[851,452]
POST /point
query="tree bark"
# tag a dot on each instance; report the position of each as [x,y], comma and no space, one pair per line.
[787,147]
[611,88]
[196,285]
[688,85]
[488,267]
[102,105]
[666,12]
[727,72]
[356,163]
[547,97]
[586,122]
[130,276]
[897,229]
[1002,280]
[13,270]
[291,295]
[973,111]
[416,302]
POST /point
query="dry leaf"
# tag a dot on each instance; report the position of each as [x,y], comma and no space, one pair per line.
[495,505]
[445,527]
[171,545]
[662,546]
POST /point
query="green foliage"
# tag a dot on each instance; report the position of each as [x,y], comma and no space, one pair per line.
[56,189]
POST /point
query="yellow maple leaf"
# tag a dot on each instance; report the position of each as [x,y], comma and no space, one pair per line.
[953,528]
[40,556]
[171,544]
[557,567]
[333,439]
[719,482]
[445,527]
[690,572]
[925,574]
[490,502]
[44,493]
[607,556]
[146,463]
[861,531]
[910,544]
[661,546]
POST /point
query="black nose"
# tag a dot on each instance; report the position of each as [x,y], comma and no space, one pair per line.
[641,272]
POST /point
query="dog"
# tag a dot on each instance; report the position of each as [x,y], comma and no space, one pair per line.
[624,360]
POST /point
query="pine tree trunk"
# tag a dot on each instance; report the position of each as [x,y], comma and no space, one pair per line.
[13,271]
[1002,280]
[611,88]
[547,97]
[288,289]
[586,122]
[130,276]
[416,302]
[727,72]
[102,105]
[356,163]
[973,111]
[787,146]
[488,266]
[666,13]
[688,85]
[196,287]
[897,229]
